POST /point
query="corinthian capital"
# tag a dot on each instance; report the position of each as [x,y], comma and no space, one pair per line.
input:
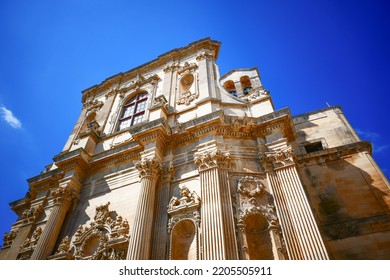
[148,167]
[212,159]
[63,194]
[279,158]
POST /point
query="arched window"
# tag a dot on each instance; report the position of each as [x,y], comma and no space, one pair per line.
[133,111]
[246,84]
[230,87]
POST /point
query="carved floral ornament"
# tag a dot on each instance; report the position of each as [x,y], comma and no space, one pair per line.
[212,159]
[148,167]
[279,158]
[103,238]
[32,214]
[250,186]
[187,97]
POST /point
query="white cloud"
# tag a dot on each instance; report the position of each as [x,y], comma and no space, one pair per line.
[9,117]
[373,137]
[368,134]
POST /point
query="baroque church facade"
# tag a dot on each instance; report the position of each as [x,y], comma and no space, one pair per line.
[170,160]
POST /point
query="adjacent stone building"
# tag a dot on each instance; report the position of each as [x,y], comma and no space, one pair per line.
[170,160]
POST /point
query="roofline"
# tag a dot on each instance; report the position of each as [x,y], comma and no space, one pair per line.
[160,60]
[239,69]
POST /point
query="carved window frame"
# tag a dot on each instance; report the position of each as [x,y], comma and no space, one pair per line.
[139,97]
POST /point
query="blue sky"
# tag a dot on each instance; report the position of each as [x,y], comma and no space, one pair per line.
[307,52]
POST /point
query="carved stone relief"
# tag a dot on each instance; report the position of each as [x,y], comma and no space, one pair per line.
[183,225]
[32,215]
[104,238]
[259,229]
[29,244]
[9,237]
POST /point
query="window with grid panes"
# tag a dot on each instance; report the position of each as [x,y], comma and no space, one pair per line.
[133,111]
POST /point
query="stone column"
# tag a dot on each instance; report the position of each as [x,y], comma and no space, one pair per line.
[217,222]
[302,236]
[160,235]
[62,199]
[141,235]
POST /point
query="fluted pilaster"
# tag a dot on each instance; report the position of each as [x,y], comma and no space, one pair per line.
[218,235]
[139,247]
[303,239]
[62,199]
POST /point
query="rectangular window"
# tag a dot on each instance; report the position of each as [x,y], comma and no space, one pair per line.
[314,147]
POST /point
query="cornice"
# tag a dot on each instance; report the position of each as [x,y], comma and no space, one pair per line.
[336,153]
[76,159]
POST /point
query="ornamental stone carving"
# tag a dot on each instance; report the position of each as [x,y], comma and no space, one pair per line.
[205,54]
[187,97]
[30,243]
[63,194]
[64,246]
[32,215]
[93,105]
[278,158]
[212,159]
[160,101]
[187,68]
[148,167]
[104,238]
[171,67]
[250,186]
[189,200]
[193,216]
[9,237]
[267,211]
